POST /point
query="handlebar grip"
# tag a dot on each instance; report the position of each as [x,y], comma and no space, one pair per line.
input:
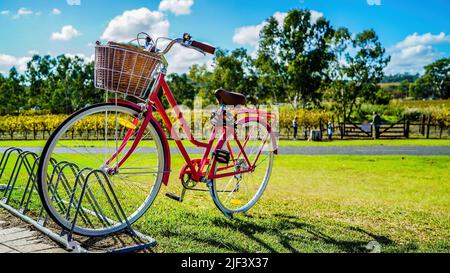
[206,48]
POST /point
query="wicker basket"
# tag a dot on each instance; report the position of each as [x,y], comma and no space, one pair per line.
[125,69]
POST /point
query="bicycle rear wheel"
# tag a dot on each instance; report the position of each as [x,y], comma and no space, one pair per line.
[74,183]
[239,193]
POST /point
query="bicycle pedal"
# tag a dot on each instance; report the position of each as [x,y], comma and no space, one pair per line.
[222,156]
[174,197]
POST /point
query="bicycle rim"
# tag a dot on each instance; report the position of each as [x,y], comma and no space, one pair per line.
[73,183]
[238,193]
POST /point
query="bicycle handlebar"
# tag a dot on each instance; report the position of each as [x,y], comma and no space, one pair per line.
[204,47]
[187,42]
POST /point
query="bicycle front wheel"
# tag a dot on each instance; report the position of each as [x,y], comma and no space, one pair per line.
[74,182]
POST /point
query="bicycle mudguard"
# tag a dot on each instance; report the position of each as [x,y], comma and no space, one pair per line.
[265,123]
[160,132]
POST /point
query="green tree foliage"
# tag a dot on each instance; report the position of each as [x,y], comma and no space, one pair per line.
[293,57]
[364,70]
[435,83]
[236,71]
[233,70]
[61,85]
[404,88]
[182,88]
[356,71]
[203,85]
[337,88]
[12,93]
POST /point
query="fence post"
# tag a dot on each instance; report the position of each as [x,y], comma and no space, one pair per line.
[320,127]
[407,129]
[422,125]
[404,126]
[371,131]
[428,126]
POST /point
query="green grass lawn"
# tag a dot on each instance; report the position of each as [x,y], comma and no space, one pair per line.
[317,204]
[286,143]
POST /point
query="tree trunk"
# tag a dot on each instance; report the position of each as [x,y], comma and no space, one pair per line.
[351,109]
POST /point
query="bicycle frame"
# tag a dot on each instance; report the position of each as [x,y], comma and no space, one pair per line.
[197,174]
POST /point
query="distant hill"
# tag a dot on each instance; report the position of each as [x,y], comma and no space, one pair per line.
[397,78]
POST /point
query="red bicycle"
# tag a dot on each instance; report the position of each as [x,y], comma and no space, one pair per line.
[105,164]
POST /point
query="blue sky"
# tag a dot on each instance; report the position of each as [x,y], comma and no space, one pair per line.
[414,32]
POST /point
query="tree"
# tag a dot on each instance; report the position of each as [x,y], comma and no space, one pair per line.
[12,92]
[356,70]
[422,88]
[182,88]
[292,57]
[435,83]
[438,76]
[236,71]
[337,71]
[39,69]
[364,70]
[404,88]
[202,82]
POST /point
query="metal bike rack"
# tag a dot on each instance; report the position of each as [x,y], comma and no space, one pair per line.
[18,199]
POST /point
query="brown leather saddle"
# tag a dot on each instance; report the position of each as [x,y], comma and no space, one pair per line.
[229,98]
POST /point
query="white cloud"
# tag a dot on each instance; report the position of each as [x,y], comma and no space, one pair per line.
[177,7]
[280,16]
[124,28]
[414,52]
[425,39]
[82,56]
[180,59]
[4,12]
[8,61]
[56,11]
[73,2]
[374,2]
[67,32]
[22,12]
[315,15]
[33,52]
[249,35]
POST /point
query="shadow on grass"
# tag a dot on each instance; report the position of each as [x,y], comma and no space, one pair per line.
[272,233]
[282,226]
